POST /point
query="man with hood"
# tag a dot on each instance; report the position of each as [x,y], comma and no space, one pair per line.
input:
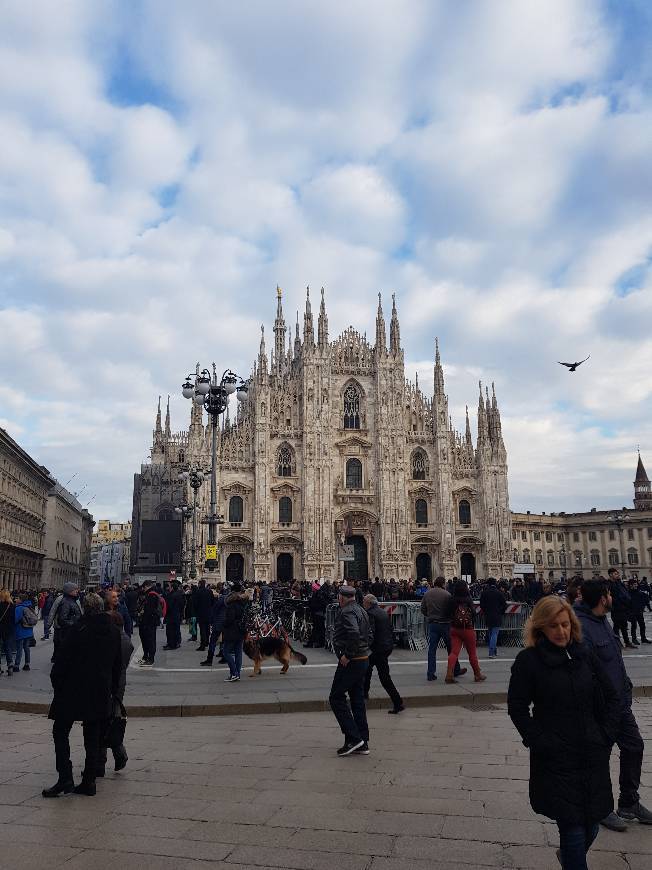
[85,677]
[597,633]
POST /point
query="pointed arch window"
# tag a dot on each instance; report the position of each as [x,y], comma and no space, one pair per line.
[285,510]
[465,512]
[353,474]
[420,468]
[421,512]
[236,510]
[351,407]
[285,461]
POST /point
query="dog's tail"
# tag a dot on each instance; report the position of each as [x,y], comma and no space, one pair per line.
[299,656]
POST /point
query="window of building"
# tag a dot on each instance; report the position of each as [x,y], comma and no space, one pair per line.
[166,515]
[538,557]
[351,408]
[548,537]
[285,463]
[612,535]
[630,534]
[632,556]
[577,558]
[419,465]
[513,534]
[562,559]
[526,555]
[236,510]
[649,557]
[551,558]
[537,536]
[595,558]
[515,554]
[285,510]
[613,557]
[593,536]
[560,537]
[421,512]
[464,513]
[649,532]
[576,537]
[353,474]
[524,536]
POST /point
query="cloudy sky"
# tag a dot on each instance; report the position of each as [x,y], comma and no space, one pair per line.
[164,165]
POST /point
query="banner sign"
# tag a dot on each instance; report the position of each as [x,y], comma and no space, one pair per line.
[211,551]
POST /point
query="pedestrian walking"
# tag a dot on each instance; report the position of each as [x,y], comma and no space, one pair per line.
[202,601]
[570,730]
[45,612]
[65,613]
[7,630]
[639,600]
[592,613]
[176,603]
[351,642]
[25,618]
[381,648]
[85,676]
[434,606]
[234,631]
[620,606]
[461,613]
[120,757]
[217,626]
[493,605]
[149,614]
[317,607]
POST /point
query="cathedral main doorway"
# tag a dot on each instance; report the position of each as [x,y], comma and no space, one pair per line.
[285,567]
[467,565]
[235,568]
[358,569]
[424,566]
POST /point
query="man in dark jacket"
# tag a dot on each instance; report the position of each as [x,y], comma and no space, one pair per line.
[149,611]
[85,676]
[381,649]
[317,606]
[597,634]
[433,606]
[65,612]
[174,614]
[217,627]
[620,606]
[493,605]
[351,641]
[202,600]
[639,600]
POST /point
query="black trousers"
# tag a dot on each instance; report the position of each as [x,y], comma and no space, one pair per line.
[350,711]
[148,639]
[620,625]
[173,633]
[631,746]
[318,634]
[637,619]
[204,626]
[61,736]
[381,663]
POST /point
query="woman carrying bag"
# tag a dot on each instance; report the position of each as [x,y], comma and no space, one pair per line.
[7,630]
[570,730]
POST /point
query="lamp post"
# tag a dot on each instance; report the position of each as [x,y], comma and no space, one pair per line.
[195,477]
[620,519]
[562,560]
[212,395]
[186,512]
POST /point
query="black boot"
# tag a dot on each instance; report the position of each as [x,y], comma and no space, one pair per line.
[207,663]
[121,758]
[86,787]
[58,788]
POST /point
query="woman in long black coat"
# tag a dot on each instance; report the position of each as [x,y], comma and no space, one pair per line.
[571,729]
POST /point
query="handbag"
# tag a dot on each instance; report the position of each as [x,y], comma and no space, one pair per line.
[113,733]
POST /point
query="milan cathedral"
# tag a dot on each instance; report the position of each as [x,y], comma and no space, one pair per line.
[334,446]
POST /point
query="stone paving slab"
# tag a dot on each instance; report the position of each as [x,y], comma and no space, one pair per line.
[442,787]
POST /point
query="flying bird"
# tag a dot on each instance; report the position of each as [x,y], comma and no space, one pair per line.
[572,366]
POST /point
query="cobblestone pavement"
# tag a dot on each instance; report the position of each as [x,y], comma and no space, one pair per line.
[442,788]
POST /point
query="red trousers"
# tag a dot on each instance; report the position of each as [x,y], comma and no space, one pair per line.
[466,637]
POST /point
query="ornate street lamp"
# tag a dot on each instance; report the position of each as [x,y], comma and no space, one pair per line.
[212,395]
[195,477]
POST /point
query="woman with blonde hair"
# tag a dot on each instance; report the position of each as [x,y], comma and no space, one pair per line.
[570,730]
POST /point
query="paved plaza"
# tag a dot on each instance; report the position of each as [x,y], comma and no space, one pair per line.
[442,788]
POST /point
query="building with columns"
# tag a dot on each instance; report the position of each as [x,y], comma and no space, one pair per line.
[333,445]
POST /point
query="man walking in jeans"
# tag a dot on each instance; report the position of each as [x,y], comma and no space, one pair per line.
[351,641]
[434,607]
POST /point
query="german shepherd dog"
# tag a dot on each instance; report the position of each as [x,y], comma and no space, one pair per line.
[259,648]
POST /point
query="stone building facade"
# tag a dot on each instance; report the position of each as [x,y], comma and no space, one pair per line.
[333,445]
[67,539]
[589,543]
[24,487]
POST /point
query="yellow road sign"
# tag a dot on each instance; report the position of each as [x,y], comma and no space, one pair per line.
[211,551]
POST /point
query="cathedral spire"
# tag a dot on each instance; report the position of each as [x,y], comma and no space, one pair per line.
[308,324]
[642,489]
[468,427]
[168,433]
[196,423]
[439,373]
[279,333]
[381,344]
[297,340]
[262,355]
[322,327]
[394,330]
[482,420]
[158,430]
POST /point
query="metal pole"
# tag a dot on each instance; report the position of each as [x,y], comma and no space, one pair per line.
[622,548]
[193,553]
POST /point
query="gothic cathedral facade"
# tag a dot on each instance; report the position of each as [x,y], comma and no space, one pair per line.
[332,446]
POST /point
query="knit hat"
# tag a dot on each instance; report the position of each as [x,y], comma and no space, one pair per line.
[70,587]
[347,591]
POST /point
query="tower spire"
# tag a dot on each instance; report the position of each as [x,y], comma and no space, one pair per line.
[482,420]
[262,355]
[196,423]
[308,324]
[468,427]
[297,340]
[381,344]
[439,373]
[642,489]
[394,330]
[158,429]
[322,326]
[279,333]
[168,433]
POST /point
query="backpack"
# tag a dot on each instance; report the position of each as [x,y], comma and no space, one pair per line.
[29,618]
[462,617]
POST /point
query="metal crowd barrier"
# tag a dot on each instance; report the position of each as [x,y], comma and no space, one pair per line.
[411,631]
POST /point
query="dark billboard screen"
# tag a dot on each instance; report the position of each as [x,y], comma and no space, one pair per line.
[160,536]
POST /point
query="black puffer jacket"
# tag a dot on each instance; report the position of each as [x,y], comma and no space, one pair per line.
[492,604]
[352,635]
[381,629]
[570,732]
[235,618]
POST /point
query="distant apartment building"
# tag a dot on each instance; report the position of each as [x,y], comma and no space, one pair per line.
[108,532]
[67,539]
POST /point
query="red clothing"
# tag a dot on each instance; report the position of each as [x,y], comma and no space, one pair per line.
[465,636]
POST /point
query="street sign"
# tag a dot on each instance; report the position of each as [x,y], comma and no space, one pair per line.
[211,551]
[346,553]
